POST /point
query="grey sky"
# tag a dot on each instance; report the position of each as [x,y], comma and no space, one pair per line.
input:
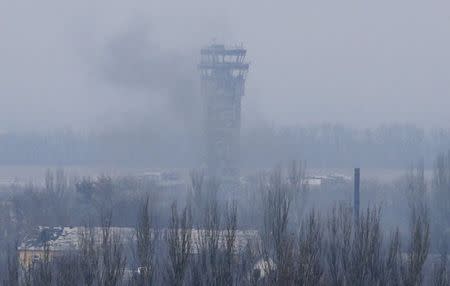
[360,63]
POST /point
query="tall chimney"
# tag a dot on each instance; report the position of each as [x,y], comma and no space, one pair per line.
[356,181]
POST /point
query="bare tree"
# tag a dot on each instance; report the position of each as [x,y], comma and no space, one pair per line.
[440,272]
[441,197]
[197,181]
[277,241]
[296,176]
[12,273]
[393,261]
[178,239]
[54,192]
[206,264]
[197,194]
[208,243]
[89,255]
[103,194]
[366,255]
[418,248]
[230,242]
[339,240]
[145,246]
[39,273]
[299,188]
[67,271]
[60,186]
[49,181]
[416,186]
[86,188]
[112,256]
[309,268]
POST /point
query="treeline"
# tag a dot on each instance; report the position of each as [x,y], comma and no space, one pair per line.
[329,250]
[390,146]
[305,236]
[127,148]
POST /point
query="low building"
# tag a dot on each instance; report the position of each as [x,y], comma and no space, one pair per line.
[51,241]
[57,241]
[163,178]
[333,179]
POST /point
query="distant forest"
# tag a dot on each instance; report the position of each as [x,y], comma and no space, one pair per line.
[326,146]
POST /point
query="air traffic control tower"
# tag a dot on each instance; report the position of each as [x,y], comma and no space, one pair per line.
[223,73]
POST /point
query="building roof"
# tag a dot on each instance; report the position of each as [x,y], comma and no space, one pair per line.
[68,238]
[55,238]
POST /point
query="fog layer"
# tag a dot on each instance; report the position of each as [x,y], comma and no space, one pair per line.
[100,64]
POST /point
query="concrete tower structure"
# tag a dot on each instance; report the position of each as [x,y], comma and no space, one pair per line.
[223,73]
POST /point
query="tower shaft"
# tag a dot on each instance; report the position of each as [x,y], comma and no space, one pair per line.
[223,74]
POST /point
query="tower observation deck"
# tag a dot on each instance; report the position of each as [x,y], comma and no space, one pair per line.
[223,73]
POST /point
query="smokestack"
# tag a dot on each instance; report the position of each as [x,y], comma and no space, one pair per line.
[356,181]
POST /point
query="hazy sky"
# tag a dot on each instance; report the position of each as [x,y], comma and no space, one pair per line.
[99,64]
